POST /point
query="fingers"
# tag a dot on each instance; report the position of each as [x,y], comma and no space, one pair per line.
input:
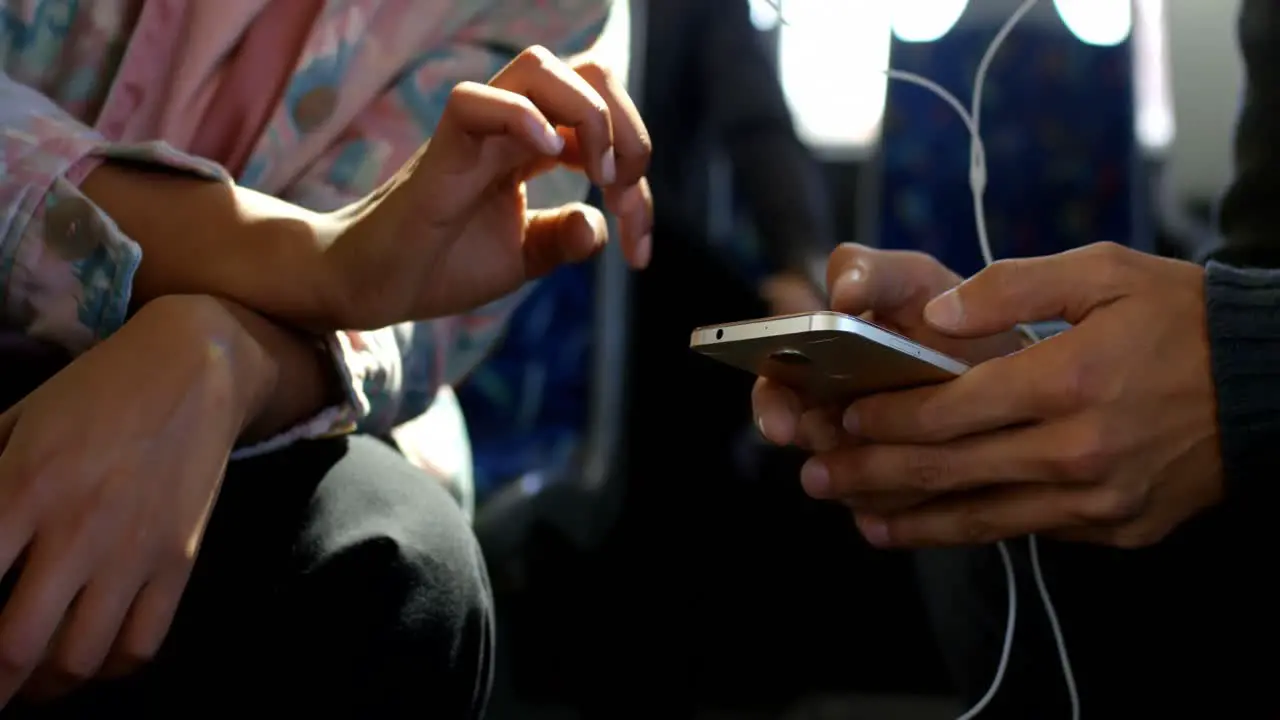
[1065,286]
[566,98]
[147,624]
[631,144]
[85,637]
[777,411]
[996,394]
[478,111]
[862,279]
[986,517]
[633,207]
[567,234]
[31,616]
[1043,453]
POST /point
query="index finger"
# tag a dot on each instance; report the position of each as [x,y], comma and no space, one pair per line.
[862,279]
[996,394]
[565,98]
[631,144]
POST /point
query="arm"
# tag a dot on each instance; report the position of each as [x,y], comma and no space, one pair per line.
[403,366]
[1244,330]
[776,171]
[79,214]
[67,268]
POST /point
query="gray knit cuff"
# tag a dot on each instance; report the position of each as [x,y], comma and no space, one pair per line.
[1244,339]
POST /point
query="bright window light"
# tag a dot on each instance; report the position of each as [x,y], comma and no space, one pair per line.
[764,14]
[830,57]
[1097,22]
[1153,79]
[925,20]
[613,47]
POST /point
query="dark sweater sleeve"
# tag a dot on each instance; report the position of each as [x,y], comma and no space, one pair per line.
[1244,334]
[1243,296]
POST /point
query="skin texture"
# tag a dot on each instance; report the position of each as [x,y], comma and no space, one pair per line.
[448,233]
[108,473]
[1105,433]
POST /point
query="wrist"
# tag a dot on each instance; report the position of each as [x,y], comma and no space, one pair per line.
[226,355]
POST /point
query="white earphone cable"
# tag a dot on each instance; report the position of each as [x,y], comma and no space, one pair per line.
[978,184]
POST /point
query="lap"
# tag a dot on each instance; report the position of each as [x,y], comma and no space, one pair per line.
[1182,628]
[334,577]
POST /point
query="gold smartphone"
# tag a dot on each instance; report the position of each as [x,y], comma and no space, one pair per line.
[827,357]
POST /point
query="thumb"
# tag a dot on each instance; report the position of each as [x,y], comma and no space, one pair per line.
[1067,286]
[893,284]
[566,234]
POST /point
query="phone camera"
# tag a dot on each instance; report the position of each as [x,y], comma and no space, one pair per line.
[720,334]
[790,357]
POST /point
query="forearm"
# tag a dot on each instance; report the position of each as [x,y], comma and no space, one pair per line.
[292,375]
[205,237]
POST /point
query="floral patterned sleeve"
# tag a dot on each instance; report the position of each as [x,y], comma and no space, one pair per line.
[408,363]
[66,270]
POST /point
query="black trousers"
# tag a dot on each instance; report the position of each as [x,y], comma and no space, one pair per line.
[335,580]
[1187,628]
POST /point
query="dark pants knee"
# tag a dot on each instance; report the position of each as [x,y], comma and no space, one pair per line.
[335,580]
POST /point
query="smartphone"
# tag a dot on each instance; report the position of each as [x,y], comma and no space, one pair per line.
[826,357]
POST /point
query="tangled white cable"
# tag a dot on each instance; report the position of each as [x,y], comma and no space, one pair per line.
[972,118]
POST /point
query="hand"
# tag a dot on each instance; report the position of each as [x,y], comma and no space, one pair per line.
[108,474]
[890,288]
[1105,433]
[453,232]
[790,293]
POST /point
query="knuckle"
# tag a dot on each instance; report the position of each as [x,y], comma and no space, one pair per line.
[538,56]
[1086,457]
[1081,384]
[1112,503]
[595,72]
[16,659]
[971,528]
[927,470]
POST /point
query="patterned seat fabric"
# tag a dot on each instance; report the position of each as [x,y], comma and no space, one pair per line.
[1058,123]
[526,404]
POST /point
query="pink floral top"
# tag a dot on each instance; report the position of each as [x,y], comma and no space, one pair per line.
[85,80]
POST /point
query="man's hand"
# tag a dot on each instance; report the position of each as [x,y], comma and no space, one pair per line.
[1105,433]
[453,232]
[108,473]
[891,289]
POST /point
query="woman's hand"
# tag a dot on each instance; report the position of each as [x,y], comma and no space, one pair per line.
[108,473]
[452,230]
[1104,433]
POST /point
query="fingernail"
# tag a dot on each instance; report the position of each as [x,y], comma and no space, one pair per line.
[774,427]
[608,167]
[644,251]
[815,479]
[850,421]
[874,530]
[599,226]
[945,311]
[548,138]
